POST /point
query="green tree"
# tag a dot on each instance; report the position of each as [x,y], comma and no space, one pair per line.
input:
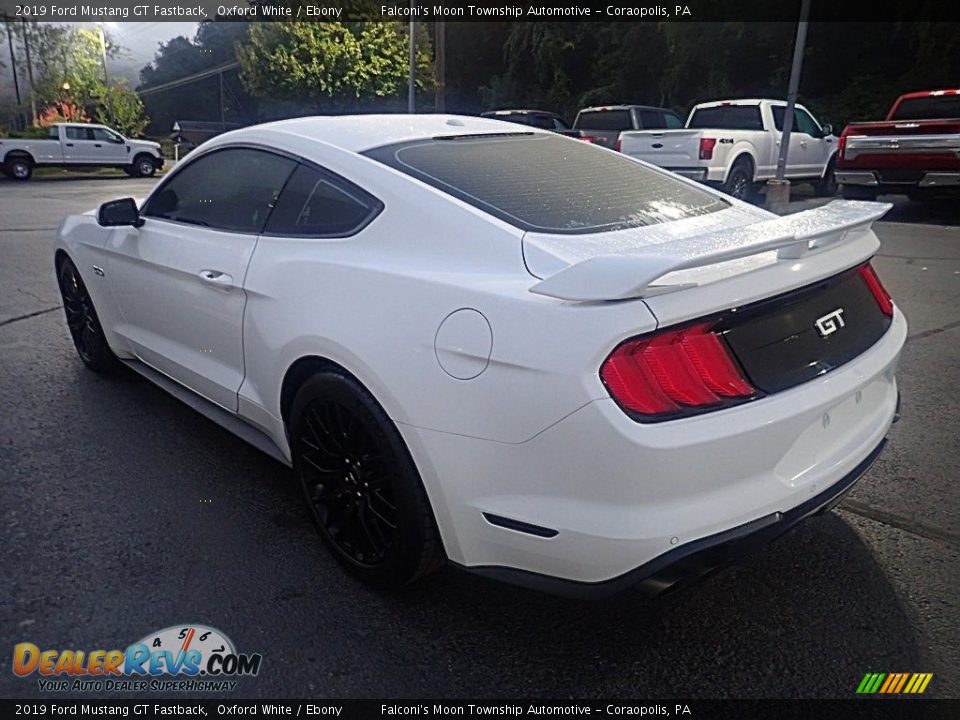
[332,66]
[122,109]
[65,54]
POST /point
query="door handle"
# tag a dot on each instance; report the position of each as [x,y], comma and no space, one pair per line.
[97,145]
[216,278]
[69,144]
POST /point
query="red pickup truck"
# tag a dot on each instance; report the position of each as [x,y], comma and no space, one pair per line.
[916,150]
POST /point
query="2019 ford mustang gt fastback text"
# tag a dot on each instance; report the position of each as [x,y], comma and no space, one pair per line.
[534,358]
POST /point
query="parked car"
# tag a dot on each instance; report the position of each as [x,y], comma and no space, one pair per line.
[915,150]
[602,125]
[734,144]
[534,118]
[540,360]
[79,145]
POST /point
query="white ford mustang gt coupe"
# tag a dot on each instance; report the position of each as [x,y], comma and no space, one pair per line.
[495,346]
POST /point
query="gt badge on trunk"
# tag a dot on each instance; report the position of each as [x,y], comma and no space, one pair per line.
[830,323]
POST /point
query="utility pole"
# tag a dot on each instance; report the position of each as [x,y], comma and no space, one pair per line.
[103,54]
[33,98]
[778,191]
[440,62]
[412,71]
[13,60]
[223,125]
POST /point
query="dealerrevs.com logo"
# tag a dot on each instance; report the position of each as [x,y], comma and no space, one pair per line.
[178,658]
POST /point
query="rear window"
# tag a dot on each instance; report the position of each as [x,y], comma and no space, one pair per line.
[547,183]
[937,107]
[604,120]
[728,117]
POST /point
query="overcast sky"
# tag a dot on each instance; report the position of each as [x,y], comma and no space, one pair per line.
[139,41]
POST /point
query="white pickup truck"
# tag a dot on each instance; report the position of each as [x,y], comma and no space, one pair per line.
[735,143]
[79,145]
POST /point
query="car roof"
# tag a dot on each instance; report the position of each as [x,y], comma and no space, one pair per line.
[359,133]
[744,101]
[928,93]
[601,108]
[494,113]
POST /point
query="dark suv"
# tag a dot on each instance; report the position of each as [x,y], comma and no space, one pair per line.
[534,118]
[603,124]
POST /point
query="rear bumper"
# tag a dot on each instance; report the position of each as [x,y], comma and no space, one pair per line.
[698,174]
[871,178]
[687,563]
[597,496]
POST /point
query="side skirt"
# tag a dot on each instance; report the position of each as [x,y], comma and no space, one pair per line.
[227,420]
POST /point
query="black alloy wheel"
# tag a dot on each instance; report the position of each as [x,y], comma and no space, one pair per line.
[361,487]
[739,181]
[82,320]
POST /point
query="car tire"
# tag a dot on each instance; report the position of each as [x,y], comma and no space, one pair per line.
[361,487]
[19,168]
[82,320]
[827,185]
[858,192]
[739,182]
[143,166]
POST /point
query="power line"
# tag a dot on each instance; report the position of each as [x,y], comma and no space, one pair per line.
[189,79]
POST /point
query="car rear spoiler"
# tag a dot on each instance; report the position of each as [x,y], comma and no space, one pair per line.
[626,276]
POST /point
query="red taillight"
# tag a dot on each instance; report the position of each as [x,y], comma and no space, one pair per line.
[841,146]
[706,148]
[877,289]
[587,138]
[616,145]
[674,371]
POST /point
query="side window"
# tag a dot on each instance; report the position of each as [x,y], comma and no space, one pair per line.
[802,122]
[672,121]
[650,119]
[79,133]
[778,113]
[316,204]
[53,133]
[104,135]
[232,189]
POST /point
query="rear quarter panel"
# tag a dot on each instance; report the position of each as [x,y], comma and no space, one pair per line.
[374,303]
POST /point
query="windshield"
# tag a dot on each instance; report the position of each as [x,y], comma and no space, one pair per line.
[548,183]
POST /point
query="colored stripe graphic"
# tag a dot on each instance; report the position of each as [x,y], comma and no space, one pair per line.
[894,683]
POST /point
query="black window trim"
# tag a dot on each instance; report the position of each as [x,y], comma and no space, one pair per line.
[374,205]
[377,205]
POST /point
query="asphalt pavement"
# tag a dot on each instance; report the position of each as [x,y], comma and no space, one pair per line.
[122,512]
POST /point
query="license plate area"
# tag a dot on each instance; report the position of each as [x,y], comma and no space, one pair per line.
[793,338]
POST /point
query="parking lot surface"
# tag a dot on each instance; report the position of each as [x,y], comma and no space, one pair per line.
[124,512]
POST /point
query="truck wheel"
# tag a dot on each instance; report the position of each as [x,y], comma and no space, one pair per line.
[19,168]
[739,182]
[827,187]
[143,166]
[858,192]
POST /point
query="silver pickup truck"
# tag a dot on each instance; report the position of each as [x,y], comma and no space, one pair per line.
[79,145]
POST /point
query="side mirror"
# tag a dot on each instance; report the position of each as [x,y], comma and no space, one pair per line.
[117,213]
[827,129]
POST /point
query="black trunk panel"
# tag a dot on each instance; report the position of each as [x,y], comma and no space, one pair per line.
[777,341]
